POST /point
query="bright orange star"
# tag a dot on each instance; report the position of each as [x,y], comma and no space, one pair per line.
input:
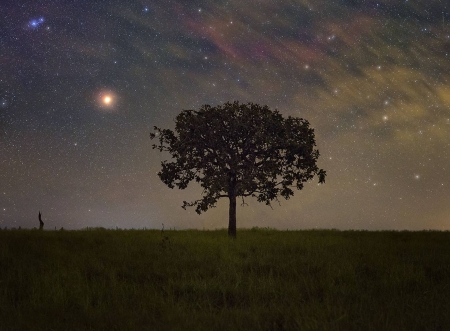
[107,99]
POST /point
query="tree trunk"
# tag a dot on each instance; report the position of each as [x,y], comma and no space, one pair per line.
[232,217]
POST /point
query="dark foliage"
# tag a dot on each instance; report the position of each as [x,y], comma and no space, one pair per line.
[238,150]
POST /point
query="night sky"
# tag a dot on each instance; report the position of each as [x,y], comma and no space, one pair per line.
[82,83]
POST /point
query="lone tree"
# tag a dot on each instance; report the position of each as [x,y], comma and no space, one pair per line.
[238,150]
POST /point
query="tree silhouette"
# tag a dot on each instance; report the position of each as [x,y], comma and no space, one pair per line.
[238,150]
[41,224]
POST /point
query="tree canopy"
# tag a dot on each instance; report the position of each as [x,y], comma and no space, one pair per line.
[238,150]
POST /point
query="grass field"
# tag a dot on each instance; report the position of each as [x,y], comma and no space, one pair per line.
[201,280]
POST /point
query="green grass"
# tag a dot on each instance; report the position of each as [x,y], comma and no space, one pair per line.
[201,280]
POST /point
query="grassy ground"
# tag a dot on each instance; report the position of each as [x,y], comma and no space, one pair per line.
[201,280]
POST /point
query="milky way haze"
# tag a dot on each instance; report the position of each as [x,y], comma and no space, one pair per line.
[82,83]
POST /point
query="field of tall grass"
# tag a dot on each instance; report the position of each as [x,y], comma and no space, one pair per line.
[202,280]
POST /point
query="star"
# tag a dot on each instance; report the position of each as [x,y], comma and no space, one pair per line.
[107,99]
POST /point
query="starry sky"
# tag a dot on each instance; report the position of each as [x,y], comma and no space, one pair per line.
[82,83]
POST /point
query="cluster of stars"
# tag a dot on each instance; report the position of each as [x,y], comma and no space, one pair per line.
[371,79]
[36,22]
